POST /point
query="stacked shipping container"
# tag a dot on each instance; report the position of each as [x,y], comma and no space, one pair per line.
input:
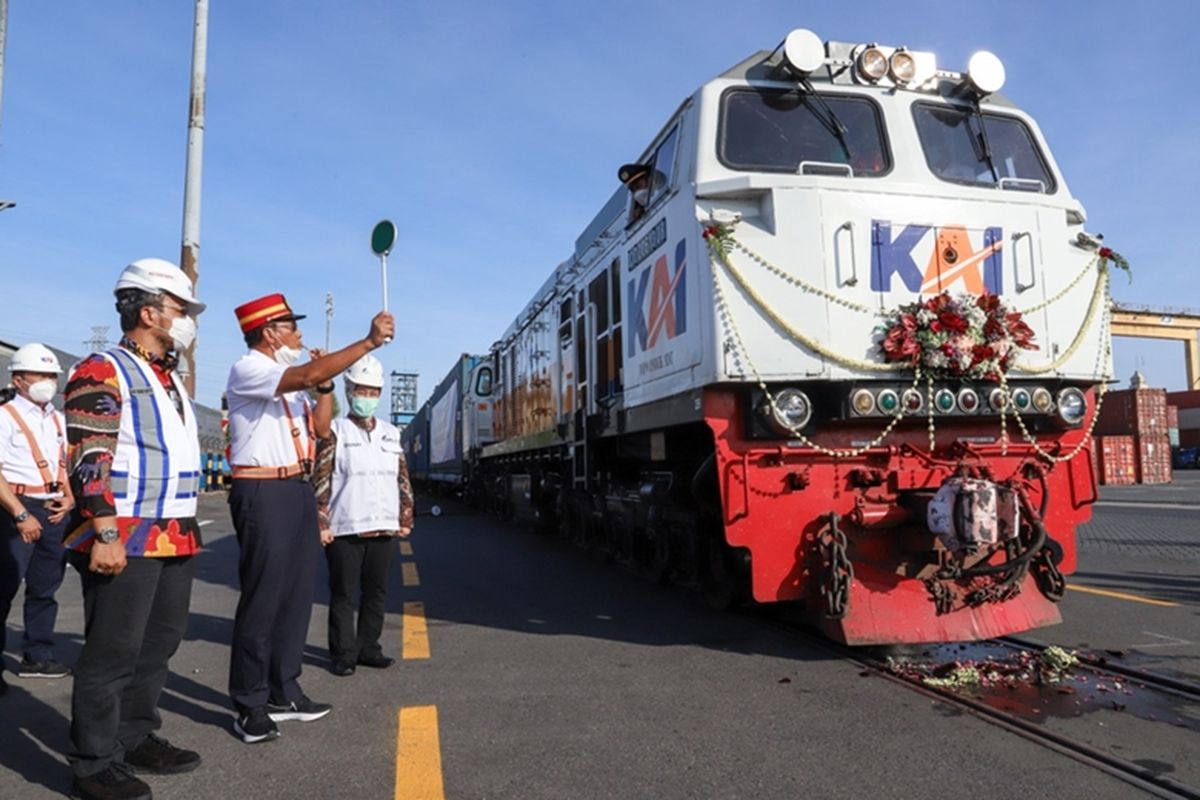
[1116,460]
[1139,414]
[1188,404]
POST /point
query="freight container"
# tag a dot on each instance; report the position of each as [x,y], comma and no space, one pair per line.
[1133,412]
[433,442]
[1154,459]
[1172,415]
[1116,460]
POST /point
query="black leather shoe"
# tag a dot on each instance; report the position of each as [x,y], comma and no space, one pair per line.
[342,668]
[157,756]
[378,661]
[114,782]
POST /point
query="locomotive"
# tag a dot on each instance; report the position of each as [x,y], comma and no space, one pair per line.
[839,340]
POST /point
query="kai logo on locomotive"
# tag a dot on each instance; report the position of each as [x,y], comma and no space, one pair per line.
[658,302]
[953,258]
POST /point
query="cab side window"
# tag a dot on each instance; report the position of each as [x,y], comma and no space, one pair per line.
[646,190]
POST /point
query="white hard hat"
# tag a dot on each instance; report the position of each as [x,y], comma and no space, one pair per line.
[367,371]
[156,275]
[35,357]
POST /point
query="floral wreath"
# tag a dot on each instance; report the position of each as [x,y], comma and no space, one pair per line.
[955,337]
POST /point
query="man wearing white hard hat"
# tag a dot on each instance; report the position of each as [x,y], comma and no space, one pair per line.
[134,458]
[33,449]
[364,502]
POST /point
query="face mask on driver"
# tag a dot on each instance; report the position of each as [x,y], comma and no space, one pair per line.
[641,196]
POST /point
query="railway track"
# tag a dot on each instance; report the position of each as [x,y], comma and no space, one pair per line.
[1035,730]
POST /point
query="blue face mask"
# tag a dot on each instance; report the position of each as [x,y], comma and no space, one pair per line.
[363,407]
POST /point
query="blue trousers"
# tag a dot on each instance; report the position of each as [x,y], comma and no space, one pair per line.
[40,565]
[280,548]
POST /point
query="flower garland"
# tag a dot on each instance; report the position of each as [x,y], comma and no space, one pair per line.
[956,337]
[986,323]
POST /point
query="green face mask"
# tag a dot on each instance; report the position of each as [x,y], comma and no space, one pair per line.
[363,407]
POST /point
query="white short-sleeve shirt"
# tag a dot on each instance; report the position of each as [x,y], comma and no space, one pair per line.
[16,456]
[259,431]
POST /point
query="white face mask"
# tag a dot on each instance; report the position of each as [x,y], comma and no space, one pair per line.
[182,332]
[43,392]
[640,196]
[288,355]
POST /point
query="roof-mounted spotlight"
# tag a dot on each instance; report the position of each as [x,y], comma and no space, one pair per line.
[803,52]
[985,72]
[903,66]
[872,63]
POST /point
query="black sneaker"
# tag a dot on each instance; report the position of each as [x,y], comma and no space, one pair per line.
[114,782]
[42,669]
[159,757]
[377,661]
[304,710]
[256,726]
[342,668]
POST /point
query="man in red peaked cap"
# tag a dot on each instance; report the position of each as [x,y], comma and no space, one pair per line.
[272,426]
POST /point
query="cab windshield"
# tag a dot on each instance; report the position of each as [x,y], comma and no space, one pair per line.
[957,152]
[785,130]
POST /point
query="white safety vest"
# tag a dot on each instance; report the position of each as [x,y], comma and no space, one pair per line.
[365,493]
[156,467]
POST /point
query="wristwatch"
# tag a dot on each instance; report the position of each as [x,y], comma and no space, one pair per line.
[107,535]
[326,389]
[24,515]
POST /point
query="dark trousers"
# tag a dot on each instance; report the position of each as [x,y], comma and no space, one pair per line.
[356,562]
[41,565]
[276,524]
[133,624]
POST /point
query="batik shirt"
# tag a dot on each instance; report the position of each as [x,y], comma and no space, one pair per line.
[92,403]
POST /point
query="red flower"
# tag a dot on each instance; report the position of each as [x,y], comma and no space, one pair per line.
[952,322]
[1106,252]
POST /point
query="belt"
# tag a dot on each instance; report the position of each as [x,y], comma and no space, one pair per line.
[269,473]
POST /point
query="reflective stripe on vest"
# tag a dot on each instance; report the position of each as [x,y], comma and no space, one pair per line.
[164,447]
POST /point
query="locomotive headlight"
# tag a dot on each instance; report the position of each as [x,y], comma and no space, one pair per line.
[1072,405]
[863,402]
[997,399]
[985,72]
[904,66]
[790,410]
[1020,398]
[872,63]
[968,401]
[913,401]
[944,401]
[1043,402]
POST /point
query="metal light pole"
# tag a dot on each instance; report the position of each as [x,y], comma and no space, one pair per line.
[328,318]
[3,37]
[190,256]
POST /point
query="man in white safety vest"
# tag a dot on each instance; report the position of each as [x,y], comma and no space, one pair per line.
[365,501]
[134,460]
[35,499]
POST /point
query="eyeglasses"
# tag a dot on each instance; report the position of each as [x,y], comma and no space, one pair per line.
[182,311]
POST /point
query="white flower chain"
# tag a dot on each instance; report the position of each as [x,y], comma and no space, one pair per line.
[801,283]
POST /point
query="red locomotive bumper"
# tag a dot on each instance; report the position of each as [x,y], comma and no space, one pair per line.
[779,497]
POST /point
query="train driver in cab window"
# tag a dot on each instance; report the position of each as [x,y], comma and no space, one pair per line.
[636,178]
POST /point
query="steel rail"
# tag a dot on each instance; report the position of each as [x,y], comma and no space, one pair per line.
[1122,769]
[1154,680]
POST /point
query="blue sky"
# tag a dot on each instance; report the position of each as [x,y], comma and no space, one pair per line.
[491,133]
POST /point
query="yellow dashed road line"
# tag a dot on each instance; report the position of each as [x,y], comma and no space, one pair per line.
[416,636]
[1133,598]
[409,573]
[418,755]
[406,548]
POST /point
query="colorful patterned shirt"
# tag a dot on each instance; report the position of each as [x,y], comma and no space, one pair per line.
[92,403]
